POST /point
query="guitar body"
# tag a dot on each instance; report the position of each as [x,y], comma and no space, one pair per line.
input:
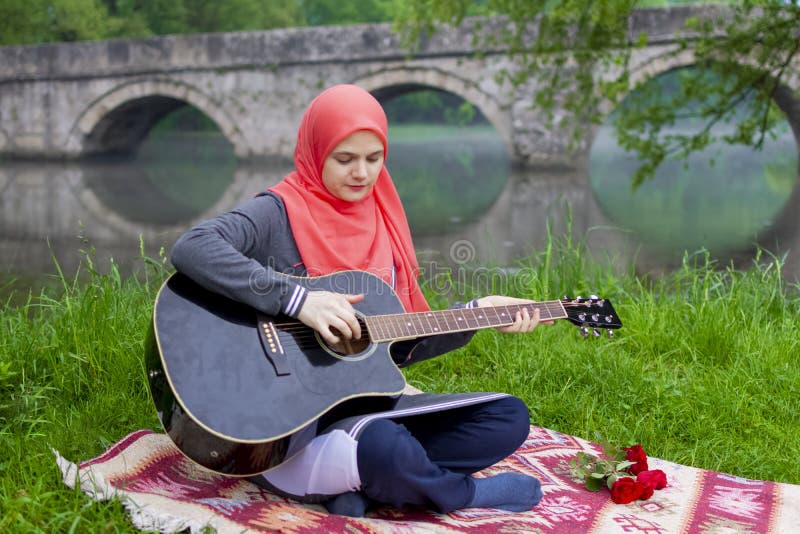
[231,386]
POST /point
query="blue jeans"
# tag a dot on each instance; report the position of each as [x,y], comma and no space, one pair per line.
[426,460]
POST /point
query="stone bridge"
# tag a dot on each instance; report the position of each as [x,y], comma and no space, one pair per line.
[74,99]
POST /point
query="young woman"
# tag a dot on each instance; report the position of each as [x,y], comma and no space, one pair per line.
[339,210]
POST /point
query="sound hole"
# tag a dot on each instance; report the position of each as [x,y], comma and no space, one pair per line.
[351,347]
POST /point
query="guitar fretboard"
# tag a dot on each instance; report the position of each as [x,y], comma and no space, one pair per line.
[396,326]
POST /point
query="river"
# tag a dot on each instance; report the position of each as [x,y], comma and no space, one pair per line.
[466,203]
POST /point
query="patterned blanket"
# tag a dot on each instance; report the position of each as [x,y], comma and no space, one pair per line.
[164,491]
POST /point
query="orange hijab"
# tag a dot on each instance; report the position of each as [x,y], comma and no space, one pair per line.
[336,235]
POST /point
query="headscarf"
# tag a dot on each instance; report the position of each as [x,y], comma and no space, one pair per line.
[334,235]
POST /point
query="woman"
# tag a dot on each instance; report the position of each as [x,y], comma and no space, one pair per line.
[339,210]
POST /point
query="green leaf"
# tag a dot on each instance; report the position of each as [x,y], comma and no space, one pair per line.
[624,465]
[594,484]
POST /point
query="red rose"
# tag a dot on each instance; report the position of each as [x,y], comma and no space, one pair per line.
[655,479]
[647,492]
[636,454]
[625,490]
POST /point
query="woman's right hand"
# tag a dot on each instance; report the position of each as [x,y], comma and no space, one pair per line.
[324,310]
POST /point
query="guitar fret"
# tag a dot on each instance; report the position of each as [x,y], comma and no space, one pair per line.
[496,320]
[463,320]
[374,327]
[438,327]
[390,328]
[510,313]
[380,321]
[419,324]
[411,326]
[504,315]
[554,309]
[413,320]
[427,316]
[472,316]
[395,327]
[454,322]
[545,313]
[387,327]
[400,323]
[384,328]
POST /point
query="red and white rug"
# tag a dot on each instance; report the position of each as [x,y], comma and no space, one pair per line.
[164,491]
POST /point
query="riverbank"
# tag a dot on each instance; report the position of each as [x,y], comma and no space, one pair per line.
[704,372]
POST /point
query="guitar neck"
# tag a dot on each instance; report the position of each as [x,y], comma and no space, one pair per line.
[393,327]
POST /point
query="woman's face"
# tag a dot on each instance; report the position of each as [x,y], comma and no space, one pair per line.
[352,167]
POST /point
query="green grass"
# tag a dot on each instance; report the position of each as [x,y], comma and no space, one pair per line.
[71,378]
[704,372]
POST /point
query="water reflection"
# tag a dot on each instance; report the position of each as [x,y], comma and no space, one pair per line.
[449,179]
[54,209]
[460,190]
[473,199]
[687,205]
[725,198]
[157,188]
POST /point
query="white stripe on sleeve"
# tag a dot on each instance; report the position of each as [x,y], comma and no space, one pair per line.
[297,297]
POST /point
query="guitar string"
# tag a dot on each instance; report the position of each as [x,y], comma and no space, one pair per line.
[422,315]
[300,332]
[419,316]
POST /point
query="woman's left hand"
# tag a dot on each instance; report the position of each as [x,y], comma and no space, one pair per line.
[524,321]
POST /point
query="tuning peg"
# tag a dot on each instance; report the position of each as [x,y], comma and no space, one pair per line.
[610,333]
[584,331]
[566,299]
[596,332]
[594,298]
[596,317]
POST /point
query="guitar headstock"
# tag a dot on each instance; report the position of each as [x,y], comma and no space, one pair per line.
[591,315]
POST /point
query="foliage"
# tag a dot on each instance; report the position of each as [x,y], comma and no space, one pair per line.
[40,21]
[743,53]
[335,12]
[239,15]
[36,21]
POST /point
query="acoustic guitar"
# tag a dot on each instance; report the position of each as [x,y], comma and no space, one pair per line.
[232,385]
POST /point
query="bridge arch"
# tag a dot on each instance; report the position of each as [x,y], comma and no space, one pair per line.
[120,119]
[649,68]
[394,82]
[784,228]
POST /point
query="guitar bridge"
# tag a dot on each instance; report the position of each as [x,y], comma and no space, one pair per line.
[271,344]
